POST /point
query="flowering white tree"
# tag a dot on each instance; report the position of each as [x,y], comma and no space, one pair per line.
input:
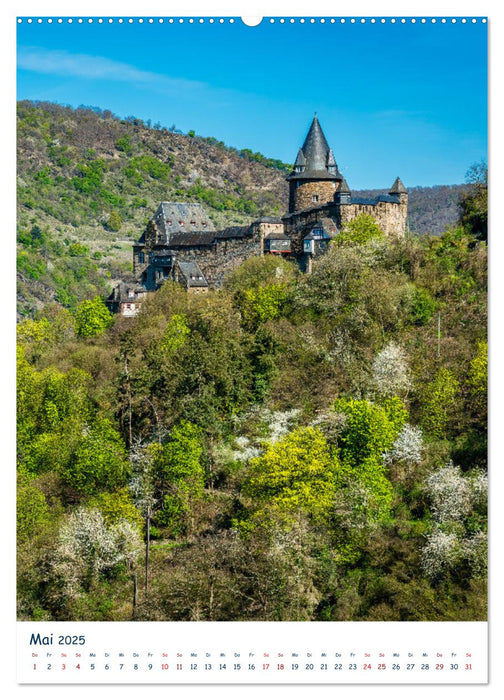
[475,550]
[390,375]
[450,494]
[279,423]
[245,450]
[88,547]
[454,497]
[441,552]
[275,425]
[407,448]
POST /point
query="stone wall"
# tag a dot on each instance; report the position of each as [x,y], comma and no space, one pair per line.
[226,254]
[222,258]
[390,217]
[301,197]
[261,229]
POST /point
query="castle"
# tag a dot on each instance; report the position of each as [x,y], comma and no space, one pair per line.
[181,243]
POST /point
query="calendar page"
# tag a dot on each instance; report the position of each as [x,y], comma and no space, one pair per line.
[251,348]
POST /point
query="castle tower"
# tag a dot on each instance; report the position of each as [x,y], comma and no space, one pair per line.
[343,195]
[399,189]
[400,194]
[315,178]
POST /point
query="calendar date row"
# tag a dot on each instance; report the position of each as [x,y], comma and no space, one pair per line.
[55,666]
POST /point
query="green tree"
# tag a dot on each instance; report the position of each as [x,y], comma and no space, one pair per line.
[263,303]
[294,477]
[118,506]
[473,204]
[359,231]
[175,334]
[99,461]
[183,476]
[364,492]
[370,429]
[477,380]
[51,408]
[35,337]
[438,403]
[124,144]
[258,272]
[114,222]
[261,288]
[477,377]
[92,318]
[32,510]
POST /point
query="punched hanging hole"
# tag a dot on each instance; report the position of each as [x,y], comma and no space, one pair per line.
[252,21]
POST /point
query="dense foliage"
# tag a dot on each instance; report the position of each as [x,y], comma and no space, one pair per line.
[473,204]
[289,447]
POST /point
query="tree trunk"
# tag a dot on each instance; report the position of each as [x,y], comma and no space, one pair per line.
[128,387]
[147,552]
[135,588]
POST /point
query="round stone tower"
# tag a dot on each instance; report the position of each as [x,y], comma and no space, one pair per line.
[315,178]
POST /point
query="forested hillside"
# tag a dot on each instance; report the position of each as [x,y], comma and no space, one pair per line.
[88,182]
[431,210]
[288,447]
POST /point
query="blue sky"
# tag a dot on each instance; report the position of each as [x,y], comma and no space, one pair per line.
[393,99]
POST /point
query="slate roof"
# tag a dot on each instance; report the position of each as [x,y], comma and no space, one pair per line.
[276,237]
[330,158]
[344,188]
[300,160]
[180,217]
[193,275]
[398,187]
[192,239]
[232,232]
[120,292]
[315,157]
[369,200]
[315,148]
[329,225]
[269,220]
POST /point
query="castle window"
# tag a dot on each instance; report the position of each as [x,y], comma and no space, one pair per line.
[141,258]
[315,198]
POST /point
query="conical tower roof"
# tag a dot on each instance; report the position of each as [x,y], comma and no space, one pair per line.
[315,147]
[330,159]
[317,156]
[300,160]
[344,188]
[398,187]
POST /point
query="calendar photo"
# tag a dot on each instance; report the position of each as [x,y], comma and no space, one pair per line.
[251,342]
